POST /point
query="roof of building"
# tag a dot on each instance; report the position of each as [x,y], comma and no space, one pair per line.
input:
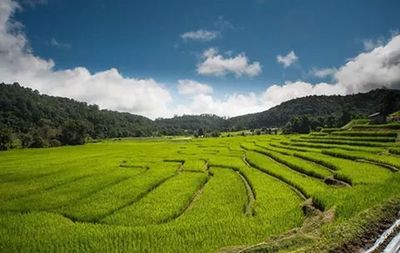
[374,115]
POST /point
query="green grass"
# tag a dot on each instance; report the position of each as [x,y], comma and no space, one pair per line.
[191,195]
[350,138]
[344,142]
[357,155]
[358,172]
[111,199]
[171,198]
[395,151]
[366,133]
[305,144]
[297,164]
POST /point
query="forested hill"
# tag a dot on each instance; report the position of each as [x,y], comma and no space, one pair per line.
[40,120]
[323,110]
[191,124]
[36,118]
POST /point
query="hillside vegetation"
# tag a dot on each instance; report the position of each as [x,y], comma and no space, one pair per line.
[322,110]
[29,119]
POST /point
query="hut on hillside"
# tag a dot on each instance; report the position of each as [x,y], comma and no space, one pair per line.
[376,118]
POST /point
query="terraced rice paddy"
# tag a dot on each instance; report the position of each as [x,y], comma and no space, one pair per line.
[197,195]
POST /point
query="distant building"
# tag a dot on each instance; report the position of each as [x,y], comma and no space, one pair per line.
[377,118]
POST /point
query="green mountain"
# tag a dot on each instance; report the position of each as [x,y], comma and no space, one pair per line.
[190,124]
[36,120]
[39,119]
[321,109]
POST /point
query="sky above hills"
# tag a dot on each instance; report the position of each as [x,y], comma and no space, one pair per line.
[162,58]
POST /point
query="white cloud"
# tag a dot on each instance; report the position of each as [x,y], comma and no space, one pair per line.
[379,67]
[217,65]
[109,89]
[232,105]
[370,44]
[200,35]
[322,73]
[238,104]
[277,94]
[370,70]
[55,43]
[288,59]
[190,87]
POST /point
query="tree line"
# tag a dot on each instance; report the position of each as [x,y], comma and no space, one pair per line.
[29,119]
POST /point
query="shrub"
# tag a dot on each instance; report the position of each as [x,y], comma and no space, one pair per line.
[26,140]
[55,143]
[6,139]
[37,141]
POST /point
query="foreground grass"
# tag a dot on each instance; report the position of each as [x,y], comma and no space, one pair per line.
[188,195]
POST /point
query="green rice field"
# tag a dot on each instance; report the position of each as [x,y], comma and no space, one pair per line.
[227,194]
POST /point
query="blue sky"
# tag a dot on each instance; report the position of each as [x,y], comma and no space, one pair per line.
[144,40]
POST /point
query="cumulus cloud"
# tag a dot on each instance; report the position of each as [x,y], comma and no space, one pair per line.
[277,94]
[238,104]
[232,105]
[190,87]
[370,44]
[287,60]
[200,35]
[378,67]
[215,64]
[323,73]
[370,70]
[109,89]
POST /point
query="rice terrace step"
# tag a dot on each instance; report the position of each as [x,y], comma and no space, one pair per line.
[225,200]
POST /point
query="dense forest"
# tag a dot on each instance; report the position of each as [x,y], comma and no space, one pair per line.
[31,119]
[39,120]
[325,111]
[191,124]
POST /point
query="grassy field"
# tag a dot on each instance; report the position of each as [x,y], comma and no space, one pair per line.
[198,195]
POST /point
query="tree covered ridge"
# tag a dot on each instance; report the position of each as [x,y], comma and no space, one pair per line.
[42,120]
[324,111]
[31,119]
